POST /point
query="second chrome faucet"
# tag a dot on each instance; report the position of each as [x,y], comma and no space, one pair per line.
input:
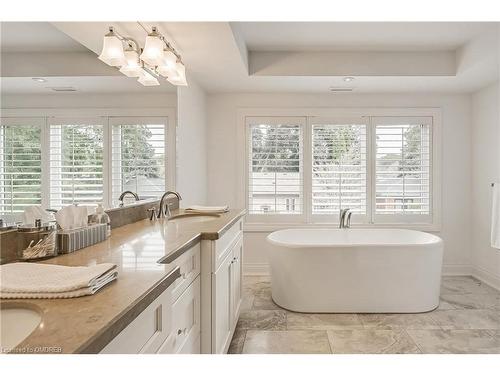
[345,218]
[165,211]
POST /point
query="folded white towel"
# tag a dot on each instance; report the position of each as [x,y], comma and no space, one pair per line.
[33,280]
[495,217]
[208,209]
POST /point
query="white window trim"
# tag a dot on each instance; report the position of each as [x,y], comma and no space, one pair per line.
[46,116]
[302,122]
[266,224]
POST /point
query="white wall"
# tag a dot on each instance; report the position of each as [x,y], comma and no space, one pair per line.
[78,100]
[192,144]
[456,159]
[485,170]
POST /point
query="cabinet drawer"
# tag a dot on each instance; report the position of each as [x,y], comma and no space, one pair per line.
[146,332]
[189,266]
[185,332]
[223,244]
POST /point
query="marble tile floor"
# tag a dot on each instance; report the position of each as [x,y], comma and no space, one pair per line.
[466,321]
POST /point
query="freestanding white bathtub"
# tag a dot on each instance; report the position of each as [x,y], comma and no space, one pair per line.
[355,270]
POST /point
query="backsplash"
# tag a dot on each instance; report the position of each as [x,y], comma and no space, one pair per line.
[9,241]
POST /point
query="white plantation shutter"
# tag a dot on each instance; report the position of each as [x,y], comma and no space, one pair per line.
[275,173]
[20,165]
[402,168]
[339,178]
[76,162]
[138,149]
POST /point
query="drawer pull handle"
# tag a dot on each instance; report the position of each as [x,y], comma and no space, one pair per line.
[181,331]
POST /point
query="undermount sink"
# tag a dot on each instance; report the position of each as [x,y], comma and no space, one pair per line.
[195,218]
[15,325]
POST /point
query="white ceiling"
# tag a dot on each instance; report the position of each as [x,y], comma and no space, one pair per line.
[83,85]
[215,53]
[358,36]
[44,38]
[211,53]
[35,37]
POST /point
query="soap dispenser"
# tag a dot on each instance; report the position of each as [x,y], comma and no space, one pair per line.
[101,217]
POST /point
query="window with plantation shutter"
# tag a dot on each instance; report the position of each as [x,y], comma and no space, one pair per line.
[20,165]
[402,167]
[76,163]
[275,174]
[338,168]
[138,156]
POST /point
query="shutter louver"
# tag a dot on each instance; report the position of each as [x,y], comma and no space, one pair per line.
[20,167]
[338,169]
[275,169]
[76,165]
[138,159]
[402,169]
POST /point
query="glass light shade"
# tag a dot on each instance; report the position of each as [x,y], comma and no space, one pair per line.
[132,67]
[167,66]
[112,51]
[179,79]
[153,51]
[147,79]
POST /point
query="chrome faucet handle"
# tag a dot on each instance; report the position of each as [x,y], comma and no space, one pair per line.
[152,215]
[342,219]
[348,218]
[168,212]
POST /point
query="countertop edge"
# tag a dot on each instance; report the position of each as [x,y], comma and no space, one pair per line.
[97,342]
[211,236]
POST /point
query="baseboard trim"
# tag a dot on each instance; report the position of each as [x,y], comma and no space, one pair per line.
[263,269]
[256,269]
[457,270]
[486,277]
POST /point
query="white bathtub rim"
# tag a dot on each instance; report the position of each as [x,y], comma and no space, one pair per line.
[436,240]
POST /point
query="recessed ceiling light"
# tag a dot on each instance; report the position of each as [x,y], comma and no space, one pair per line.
[41,80]
[349,79]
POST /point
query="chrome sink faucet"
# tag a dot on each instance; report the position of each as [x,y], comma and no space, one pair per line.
[165,211]
[126,192]
[345,218]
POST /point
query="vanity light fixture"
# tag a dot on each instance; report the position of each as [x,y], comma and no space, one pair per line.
[132,67]
[157,59]
[153,49]
[112,49]
[148,79]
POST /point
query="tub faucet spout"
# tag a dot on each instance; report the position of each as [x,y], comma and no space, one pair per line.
[345,218]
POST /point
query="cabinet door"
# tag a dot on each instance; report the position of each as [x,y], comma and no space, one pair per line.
[236,277]
[222,306]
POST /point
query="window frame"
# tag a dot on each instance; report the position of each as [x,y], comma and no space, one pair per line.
[258,223]
[65,121]
[45,116]
[169,144]
[355,120]
[276,120]
[37,121]
[406,218]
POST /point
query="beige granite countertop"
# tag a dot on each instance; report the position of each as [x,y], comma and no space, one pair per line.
[87,324]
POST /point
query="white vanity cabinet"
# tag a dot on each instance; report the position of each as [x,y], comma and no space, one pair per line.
[221,273]
[172,322]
